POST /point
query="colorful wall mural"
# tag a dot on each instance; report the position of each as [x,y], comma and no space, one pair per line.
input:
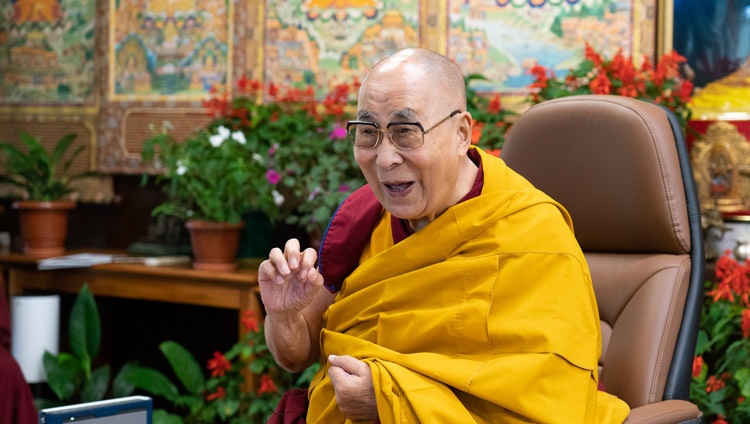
[501,39]
[323,42]
[168,48]
[118,64]
[47,51]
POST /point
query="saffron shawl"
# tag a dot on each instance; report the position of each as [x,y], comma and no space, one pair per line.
[485,315]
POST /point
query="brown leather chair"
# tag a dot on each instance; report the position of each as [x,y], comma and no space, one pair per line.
[621,168]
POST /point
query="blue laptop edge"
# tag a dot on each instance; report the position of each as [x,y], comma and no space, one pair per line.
[105,411]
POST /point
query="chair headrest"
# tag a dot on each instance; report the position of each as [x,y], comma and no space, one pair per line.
[612,162]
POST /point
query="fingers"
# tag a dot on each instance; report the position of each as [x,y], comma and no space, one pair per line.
[292,253]
[352,382]
[349,365]
[282,264]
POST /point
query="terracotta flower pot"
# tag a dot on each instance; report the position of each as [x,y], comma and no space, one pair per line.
[214,244]
[44,226]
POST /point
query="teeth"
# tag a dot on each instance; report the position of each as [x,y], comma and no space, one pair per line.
[397,187]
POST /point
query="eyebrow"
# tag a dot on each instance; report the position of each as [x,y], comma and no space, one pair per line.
[398,115]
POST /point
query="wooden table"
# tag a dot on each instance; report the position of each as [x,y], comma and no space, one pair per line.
[236,290]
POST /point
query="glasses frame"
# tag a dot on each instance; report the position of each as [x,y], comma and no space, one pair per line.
[382,131]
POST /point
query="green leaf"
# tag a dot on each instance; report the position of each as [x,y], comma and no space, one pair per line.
[153,382]
[64,374]
[307,375]
[163,417]
[121,387]
[742,376]
[85,329]
[184,365]
[96,387]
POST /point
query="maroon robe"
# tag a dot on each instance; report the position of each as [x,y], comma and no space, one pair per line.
[16,400]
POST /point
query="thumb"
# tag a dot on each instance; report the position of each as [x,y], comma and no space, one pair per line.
[349,364]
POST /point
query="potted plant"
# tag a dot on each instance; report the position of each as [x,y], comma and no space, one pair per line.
[211,181]
[45,180]
[287,157]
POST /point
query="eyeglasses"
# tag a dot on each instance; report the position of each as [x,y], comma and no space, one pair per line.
[403,135]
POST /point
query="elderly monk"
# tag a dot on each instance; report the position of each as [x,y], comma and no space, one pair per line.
[448,289]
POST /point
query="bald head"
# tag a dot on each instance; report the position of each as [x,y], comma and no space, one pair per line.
[443,77]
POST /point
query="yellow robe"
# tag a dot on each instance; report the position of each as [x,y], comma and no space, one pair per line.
[486,315]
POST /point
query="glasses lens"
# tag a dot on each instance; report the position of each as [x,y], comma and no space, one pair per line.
[363,135]
[406,136]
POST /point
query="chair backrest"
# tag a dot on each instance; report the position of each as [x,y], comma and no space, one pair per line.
[621,168]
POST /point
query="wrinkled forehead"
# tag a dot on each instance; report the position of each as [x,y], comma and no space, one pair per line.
[399,92]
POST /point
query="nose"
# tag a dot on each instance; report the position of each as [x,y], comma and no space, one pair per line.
[388,155]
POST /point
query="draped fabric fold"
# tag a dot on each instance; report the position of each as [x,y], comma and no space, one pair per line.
[485,315]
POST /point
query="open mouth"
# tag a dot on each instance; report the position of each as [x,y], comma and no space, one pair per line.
[398,188]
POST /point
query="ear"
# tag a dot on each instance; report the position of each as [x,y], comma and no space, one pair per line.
[464,131]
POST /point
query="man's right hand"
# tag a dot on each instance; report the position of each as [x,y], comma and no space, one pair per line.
[289,280]
[290,289]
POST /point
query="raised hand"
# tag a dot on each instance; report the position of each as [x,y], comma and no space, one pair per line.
[289,280]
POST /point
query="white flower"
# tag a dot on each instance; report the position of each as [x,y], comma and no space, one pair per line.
[239,137]
[278,198]
[219,138]
[258,158]
[181,169]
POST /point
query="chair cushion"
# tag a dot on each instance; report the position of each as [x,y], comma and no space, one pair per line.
[641,300]
[609,180]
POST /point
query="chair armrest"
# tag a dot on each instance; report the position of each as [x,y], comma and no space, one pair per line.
[665,412]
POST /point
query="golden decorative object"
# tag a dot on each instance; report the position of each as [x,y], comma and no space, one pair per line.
[721,161]
[729,96]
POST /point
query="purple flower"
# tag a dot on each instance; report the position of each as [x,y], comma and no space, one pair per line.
[343,188]
[272,149]
[338,133]
[272,176]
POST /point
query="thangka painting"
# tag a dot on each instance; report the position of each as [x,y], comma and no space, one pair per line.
[325,42]
[502,39]
[169,49]
[47,51]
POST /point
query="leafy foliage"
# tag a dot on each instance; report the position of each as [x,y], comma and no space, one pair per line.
[212,176]
[224,395]
[42,175]
[300,165]
[721,370]
[71,375]
[491,121]
[620,75]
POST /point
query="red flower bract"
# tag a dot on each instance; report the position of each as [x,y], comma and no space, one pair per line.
[218,365]
[714,384]
[697,366]
[620,76]
[220,393]
[267,385]
[250,321]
